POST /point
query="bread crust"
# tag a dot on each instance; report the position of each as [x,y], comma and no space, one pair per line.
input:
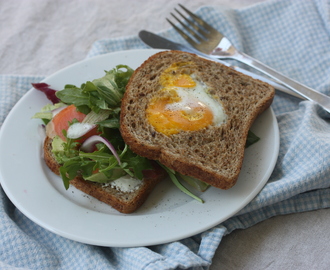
[124,202]
[213,154]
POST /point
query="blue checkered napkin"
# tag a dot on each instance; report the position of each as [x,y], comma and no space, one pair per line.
[280,34]
[12,88]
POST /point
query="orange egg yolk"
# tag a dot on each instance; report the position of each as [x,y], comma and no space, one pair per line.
[180,80]
[191,117]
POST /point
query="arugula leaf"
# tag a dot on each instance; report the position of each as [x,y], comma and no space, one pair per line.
[101,165]
[135,163]
[177,183]
[110,123]
[111,87]
[251,139]
[122,77]
[195,183]
[73,95]
[104,93]
[69,171]
[104,178]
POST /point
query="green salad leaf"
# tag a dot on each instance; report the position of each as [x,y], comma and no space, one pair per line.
[101,166]
[100,100]
[178,184]
[104,93]
[45,114]
[252,138]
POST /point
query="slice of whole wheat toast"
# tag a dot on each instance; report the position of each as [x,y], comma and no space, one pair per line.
[124,202]
[213,154]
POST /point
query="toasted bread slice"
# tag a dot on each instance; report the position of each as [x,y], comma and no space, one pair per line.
[213,154]
[124,202]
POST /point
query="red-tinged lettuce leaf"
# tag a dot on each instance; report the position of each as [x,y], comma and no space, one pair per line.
[50,93]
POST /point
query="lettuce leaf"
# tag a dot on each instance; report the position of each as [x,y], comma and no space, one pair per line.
[104,93]
[252,138]
[100,166]
[101,96]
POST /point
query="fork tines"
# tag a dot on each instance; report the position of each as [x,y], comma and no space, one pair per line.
[195,27]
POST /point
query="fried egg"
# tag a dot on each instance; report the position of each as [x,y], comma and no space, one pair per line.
[183,103]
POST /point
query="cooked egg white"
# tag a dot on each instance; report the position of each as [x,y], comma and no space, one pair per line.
[183,104]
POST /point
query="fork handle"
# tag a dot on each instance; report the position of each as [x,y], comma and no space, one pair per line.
[295,86]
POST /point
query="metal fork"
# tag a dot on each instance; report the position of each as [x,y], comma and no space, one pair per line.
[208,40]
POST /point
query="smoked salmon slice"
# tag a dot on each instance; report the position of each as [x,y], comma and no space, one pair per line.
[62,120]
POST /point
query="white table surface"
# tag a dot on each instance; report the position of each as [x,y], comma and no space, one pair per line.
[39,37]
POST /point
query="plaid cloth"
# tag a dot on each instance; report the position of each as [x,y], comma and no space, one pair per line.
[290,36]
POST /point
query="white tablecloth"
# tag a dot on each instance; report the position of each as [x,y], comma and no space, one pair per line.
[40,37]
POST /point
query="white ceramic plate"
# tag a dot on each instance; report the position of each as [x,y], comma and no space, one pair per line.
[167,215]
